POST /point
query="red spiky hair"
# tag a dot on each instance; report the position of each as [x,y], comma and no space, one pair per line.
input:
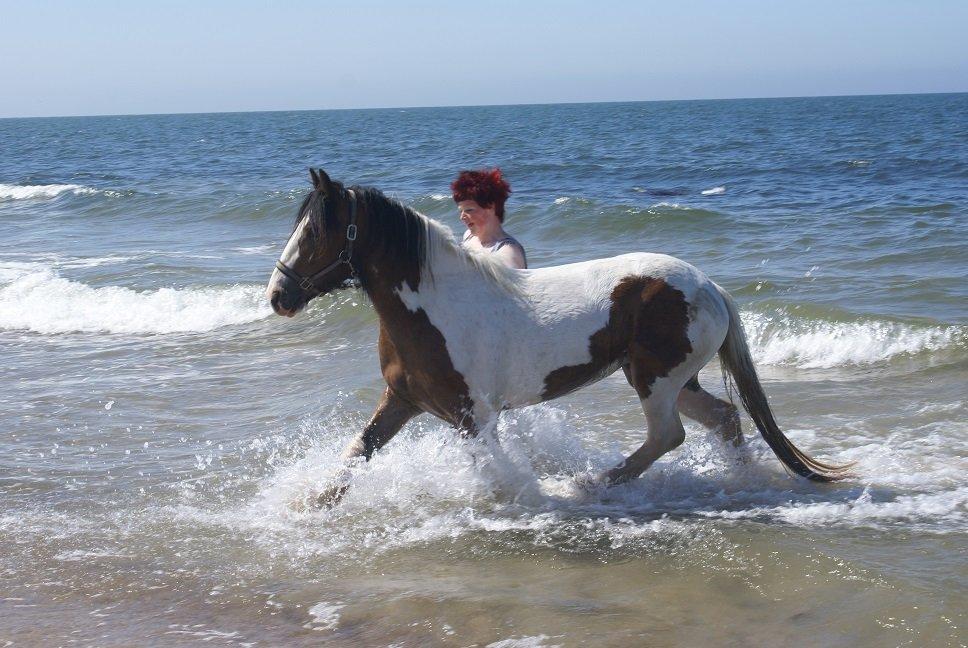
[486,187]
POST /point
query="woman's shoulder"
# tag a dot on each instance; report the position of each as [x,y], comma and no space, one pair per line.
[511,242]
[508,240]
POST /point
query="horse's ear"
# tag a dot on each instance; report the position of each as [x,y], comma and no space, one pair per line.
[323,182]
[314,178]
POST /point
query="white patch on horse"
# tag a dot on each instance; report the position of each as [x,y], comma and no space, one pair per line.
[290,254]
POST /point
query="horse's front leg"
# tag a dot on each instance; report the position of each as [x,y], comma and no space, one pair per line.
[390,415]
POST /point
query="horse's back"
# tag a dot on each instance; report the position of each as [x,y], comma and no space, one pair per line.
[594,281]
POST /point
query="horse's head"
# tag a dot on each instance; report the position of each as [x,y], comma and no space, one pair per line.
[319,254]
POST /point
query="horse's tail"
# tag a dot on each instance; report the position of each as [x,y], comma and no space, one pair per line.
[734,354]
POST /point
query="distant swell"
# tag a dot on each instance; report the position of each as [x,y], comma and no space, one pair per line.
[783,340]
[26,192]
[44,302]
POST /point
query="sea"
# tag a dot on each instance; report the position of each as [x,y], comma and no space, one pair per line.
[159,425]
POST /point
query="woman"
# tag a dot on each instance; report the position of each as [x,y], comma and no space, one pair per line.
[480,197]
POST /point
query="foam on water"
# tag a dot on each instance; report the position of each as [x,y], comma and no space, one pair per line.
[27,192]
[35,298]
[428,487]
[946,510]
[325,616]
[715,191]
[12,269]
[779,339]
[259,250]
[534,641]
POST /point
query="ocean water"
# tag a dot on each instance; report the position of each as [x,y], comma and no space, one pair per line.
[159,425]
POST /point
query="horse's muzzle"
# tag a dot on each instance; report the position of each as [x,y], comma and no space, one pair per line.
[277,307]
[285,300]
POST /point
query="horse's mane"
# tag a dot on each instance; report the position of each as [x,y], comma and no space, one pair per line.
[414,241]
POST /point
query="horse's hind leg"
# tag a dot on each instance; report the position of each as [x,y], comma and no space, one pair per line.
[665,431]
[714,413]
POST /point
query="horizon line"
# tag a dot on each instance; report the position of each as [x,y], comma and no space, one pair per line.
[485,105]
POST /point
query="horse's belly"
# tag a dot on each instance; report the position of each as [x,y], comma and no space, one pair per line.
[513,369]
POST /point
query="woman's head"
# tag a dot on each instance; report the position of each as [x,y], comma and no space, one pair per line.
[486,187]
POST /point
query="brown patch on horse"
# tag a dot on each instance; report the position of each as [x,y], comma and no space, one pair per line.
[647,329]
[390,252]
[415,362]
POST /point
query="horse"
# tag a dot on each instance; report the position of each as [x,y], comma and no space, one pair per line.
[463,337]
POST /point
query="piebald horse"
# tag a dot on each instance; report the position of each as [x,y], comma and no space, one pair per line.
[463,337]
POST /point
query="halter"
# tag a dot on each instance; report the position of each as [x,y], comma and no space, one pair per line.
[308,284]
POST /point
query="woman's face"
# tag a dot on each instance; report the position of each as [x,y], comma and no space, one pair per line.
[475,217]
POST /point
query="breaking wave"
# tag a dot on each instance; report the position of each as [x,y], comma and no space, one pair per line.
[27,192]
[780,339]
[44,302]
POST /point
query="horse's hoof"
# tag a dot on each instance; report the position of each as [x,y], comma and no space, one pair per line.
[591,482]
[330,497]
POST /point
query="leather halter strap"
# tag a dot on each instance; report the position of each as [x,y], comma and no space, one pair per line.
[308,284]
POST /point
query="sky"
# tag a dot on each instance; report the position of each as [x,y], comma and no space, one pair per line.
[100,57]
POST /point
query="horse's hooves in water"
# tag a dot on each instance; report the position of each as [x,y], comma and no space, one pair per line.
[590,482]
[327,499]
[330,497]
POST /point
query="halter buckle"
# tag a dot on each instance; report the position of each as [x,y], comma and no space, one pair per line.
[307,284]
[351,232]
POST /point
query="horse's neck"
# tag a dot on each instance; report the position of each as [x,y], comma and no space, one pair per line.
[447,277]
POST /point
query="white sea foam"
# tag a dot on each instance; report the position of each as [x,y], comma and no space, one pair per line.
[783,340]
[12,269]
[37,299]
[945,510]
[27,192]
[715,191]
[92,262]
[325,616]
[535,641]
[256,249]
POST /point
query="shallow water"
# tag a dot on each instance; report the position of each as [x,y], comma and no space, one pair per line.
[160,425]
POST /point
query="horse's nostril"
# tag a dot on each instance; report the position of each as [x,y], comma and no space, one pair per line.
[274,298]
